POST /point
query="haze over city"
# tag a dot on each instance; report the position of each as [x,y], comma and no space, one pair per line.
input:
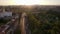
[29,2]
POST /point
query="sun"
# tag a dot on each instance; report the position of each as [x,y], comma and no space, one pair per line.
[27,2]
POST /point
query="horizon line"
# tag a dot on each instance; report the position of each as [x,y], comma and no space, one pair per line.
[28,5]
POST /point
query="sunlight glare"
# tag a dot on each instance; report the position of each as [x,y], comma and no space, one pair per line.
[28,2]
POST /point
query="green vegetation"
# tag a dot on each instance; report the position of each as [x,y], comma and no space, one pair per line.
[44,23]
[3,21]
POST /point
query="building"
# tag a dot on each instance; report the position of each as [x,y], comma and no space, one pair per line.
[3,14]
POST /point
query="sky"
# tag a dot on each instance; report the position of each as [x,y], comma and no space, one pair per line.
[29,2]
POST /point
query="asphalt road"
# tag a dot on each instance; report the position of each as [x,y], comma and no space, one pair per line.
[24,24]
[10,26]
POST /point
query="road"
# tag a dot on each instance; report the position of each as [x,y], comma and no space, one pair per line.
[9,27]
[24,24]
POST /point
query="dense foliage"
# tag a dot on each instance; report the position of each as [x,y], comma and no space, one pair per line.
[44,23]
[4,21]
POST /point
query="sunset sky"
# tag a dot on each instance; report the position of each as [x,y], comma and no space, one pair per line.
[29,2]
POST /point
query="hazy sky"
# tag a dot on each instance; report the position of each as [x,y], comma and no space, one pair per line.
[29,2]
